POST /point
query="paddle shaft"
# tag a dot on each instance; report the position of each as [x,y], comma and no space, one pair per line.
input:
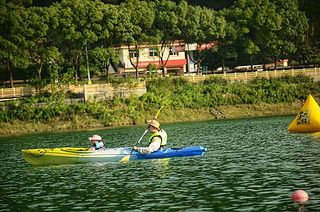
[139,140]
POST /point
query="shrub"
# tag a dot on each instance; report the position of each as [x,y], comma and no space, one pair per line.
[173,92]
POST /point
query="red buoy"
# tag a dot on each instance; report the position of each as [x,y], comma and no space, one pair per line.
[300,196]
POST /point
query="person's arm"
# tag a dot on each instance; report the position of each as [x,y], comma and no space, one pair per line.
[102,144]
[92,148]
[154,145]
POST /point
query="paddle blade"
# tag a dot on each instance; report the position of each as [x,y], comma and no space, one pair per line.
[125,159]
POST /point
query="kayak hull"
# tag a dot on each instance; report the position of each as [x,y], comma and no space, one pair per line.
[70,155]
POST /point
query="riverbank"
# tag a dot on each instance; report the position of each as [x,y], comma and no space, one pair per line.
[184,101]
[166,116]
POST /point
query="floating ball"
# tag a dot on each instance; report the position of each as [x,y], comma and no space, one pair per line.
[300,196]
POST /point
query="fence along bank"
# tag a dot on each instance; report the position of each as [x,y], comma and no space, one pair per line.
[86,92]
[108,91]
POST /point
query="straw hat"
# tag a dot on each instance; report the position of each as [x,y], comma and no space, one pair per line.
[154,123]
[95,138]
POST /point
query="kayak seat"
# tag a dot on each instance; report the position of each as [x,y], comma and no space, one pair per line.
[176,148]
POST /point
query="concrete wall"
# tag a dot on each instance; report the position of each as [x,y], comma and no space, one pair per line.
[88,92]
[109,91]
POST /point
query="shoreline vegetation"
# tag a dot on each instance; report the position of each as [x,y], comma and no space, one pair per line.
[170,116]
[184,101]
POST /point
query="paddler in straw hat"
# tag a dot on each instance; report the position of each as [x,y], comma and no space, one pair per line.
[158,139]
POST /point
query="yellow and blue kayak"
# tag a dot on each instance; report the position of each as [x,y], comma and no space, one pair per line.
[68,155]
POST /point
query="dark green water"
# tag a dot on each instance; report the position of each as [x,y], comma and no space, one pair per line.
[251,165]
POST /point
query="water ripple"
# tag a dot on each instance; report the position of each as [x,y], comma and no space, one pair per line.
[250,165]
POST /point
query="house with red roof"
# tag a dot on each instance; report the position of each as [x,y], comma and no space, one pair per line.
[177,61]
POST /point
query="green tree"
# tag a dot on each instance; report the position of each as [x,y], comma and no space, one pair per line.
[13,38]
[251,49]
[256,22]
[165,29]
[115,25]
[100,57]
[202,26]
[40,50]
[292,33]
[78,22]
[142,18]
[216,4]
[310,51]
[225,48]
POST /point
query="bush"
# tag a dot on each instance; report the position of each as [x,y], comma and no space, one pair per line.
[173,92]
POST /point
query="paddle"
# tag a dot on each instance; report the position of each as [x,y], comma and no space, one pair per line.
[126,158]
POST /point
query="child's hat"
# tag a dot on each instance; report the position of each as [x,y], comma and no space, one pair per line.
[95,138]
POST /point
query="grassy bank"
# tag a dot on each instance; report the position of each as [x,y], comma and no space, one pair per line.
[166,116]
[184,101]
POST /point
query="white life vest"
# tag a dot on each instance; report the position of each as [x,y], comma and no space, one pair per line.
[162,134]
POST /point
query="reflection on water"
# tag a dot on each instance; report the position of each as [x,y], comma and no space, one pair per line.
[315,136]
[250,165]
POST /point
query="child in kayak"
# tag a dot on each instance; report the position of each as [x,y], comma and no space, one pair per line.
[97,143]
[158,139]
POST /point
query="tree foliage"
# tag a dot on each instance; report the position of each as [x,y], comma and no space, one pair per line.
[142,17]
[32,38]
[201,26]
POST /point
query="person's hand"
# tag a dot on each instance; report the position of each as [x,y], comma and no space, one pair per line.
[134,148]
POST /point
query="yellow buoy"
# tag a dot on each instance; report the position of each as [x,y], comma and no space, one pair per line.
[308,119]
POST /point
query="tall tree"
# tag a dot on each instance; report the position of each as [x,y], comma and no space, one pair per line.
[13,38]
[142,18]
[225,48]
[256,21]
[40,50]
[202,26]
[165,30]
[114,26]
[78,22]
[292,32]
[251,49]
[310,51]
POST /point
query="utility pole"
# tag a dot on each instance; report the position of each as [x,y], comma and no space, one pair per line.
[89,80]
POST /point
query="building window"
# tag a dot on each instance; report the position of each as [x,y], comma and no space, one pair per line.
[133,53]
[153,53]
[171,52]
